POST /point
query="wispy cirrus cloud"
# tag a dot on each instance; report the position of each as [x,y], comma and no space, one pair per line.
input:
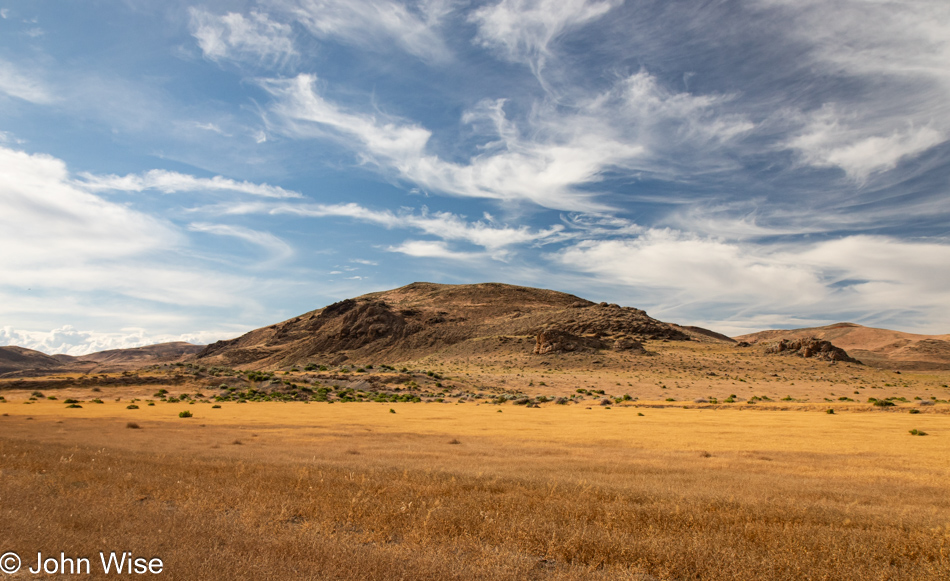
[169,182]
[433,249]
[896,60]
[632,128]
[375,24]
[445,225]
[15,83]
[232,36]
[524,30]
[278,249]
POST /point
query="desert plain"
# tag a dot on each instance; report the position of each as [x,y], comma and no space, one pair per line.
[698,461]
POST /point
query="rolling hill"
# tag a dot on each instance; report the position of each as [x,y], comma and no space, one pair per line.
[875,347]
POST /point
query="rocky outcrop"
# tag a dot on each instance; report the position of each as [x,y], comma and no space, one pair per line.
[561,341]
[810,347]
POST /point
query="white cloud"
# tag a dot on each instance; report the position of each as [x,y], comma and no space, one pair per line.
[632,127]
[171,182]
[15,83]
[378,24]
[71,341]
[523,30]
[832,139]
[279,249]
[432,249]
[49,221]
[65,241]
[445,225]
[900,283]
[235,37]
[899,54]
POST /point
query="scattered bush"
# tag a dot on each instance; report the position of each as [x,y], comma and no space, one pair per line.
[830,411]
[68,400]
[216,406]
[184,414]
[132,406]
[916,432]
[74,405]
[392,411]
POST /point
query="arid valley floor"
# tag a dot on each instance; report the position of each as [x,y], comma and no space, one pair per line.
[695,461]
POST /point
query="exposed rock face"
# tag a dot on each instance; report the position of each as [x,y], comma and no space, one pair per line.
[558,341]
[810,347]
[628,344]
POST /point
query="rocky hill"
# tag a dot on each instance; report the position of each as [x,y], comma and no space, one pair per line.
[423,319]
[875,347]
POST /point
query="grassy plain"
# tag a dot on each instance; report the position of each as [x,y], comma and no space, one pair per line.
[478,491]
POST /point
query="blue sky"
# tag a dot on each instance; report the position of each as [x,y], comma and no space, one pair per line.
[190,171]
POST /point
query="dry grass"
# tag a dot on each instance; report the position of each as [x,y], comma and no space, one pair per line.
[353,492]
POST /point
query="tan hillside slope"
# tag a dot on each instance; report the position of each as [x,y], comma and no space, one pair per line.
[15,359]
[147,355]
[22,362]
[426,319]
[876,347]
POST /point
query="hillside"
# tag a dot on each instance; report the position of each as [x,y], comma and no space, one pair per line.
[426,319]
[22,362]
[147,355]
[15,359]
[875,347]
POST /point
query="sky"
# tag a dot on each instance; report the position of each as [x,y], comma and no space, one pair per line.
[194,170]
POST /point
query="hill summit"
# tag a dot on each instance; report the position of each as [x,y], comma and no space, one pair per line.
[423,319]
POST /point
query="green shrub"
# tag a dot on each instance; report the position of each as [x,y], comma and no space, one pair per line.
[184,414]
[392,411]
[216,407]
[914,411]
[132,407]
[69,400]
[916,432]
[830,412]
[74,405]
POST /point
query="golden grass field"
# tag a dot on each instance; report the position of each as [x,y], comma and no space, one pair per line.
[466,491]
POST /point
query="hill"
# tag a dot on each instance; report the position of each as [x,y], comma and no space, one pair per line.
[425,319]
[147,355]
[15,359]
[875,347]
[22,362]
